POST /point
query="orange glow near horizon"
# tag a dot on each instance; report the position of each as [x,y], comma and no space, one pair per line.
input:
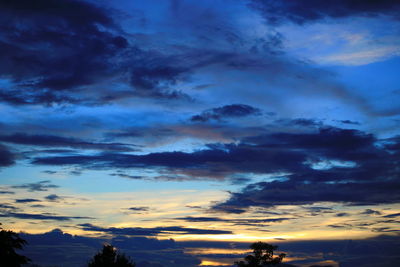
[213,263]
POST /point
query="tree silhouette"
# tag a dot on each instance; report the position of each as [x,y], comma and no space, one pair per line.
[9,242]
[263,256]
[109,257]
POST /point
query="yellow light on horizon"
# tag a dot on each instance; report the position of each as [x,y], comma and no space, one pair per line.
[213,263]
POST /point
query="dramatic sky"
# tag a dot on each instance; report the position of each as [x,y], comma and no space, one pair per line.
[211,120]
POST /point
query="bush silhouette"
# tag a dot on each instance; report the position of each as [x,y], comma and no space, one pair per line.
[263,256]
[9,242]
[109,257]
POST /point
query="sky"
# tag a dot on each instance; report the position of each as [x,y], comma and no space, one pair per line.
[201,126]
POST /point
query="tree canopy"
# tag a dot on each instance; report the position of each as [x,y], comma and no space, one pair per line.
[9,242]
[109,257]
[263,256]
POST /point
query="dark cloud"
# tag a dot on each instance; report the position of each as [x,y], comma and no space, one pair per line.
[56,246]
[124,175]
[59,58]
[2,192]
[39,186]
[300,154]
[295,193]
[326,139]
[152,73]
[393,144]
[37,206]
[228,111]
[394,215]
[319,209]
[216,157]
[253,222]
[53,198]
[59,141]
[385,230]
[7,158]
[325,164]
[349,122]
[371,212]
[138,231]
[63,45]
[339,225]
[299,122]
[40,216]
[342,214]
[135,209]
[7,207]
[305,11]
[27,200]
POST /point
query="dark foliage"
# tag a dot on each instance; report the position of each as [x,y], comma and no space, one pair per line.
[263,256]
[9,242]
[109,257]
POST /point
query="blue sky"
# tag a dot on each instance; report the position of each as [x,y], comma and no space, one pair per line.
[231,119]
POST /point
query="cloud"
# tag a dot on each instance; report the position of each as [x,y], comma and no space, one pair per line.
[7,158]
[349,122]
[138,231]
[75,60]
[40,216]
[26,200]
[56,246]
[37,206]
[123,175]
[39,186]
[393,144]
[59,141]
[394,215]
[210,162]
[2,192]
[371,212]
[47,65]
[7,207]
[228,111]
[299,193]
[305,166]
[299,122]
[253,222]
[53,198]
[138,209]
[158,135]
[307,11]
[43,61]
[325,154]
[342,214]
